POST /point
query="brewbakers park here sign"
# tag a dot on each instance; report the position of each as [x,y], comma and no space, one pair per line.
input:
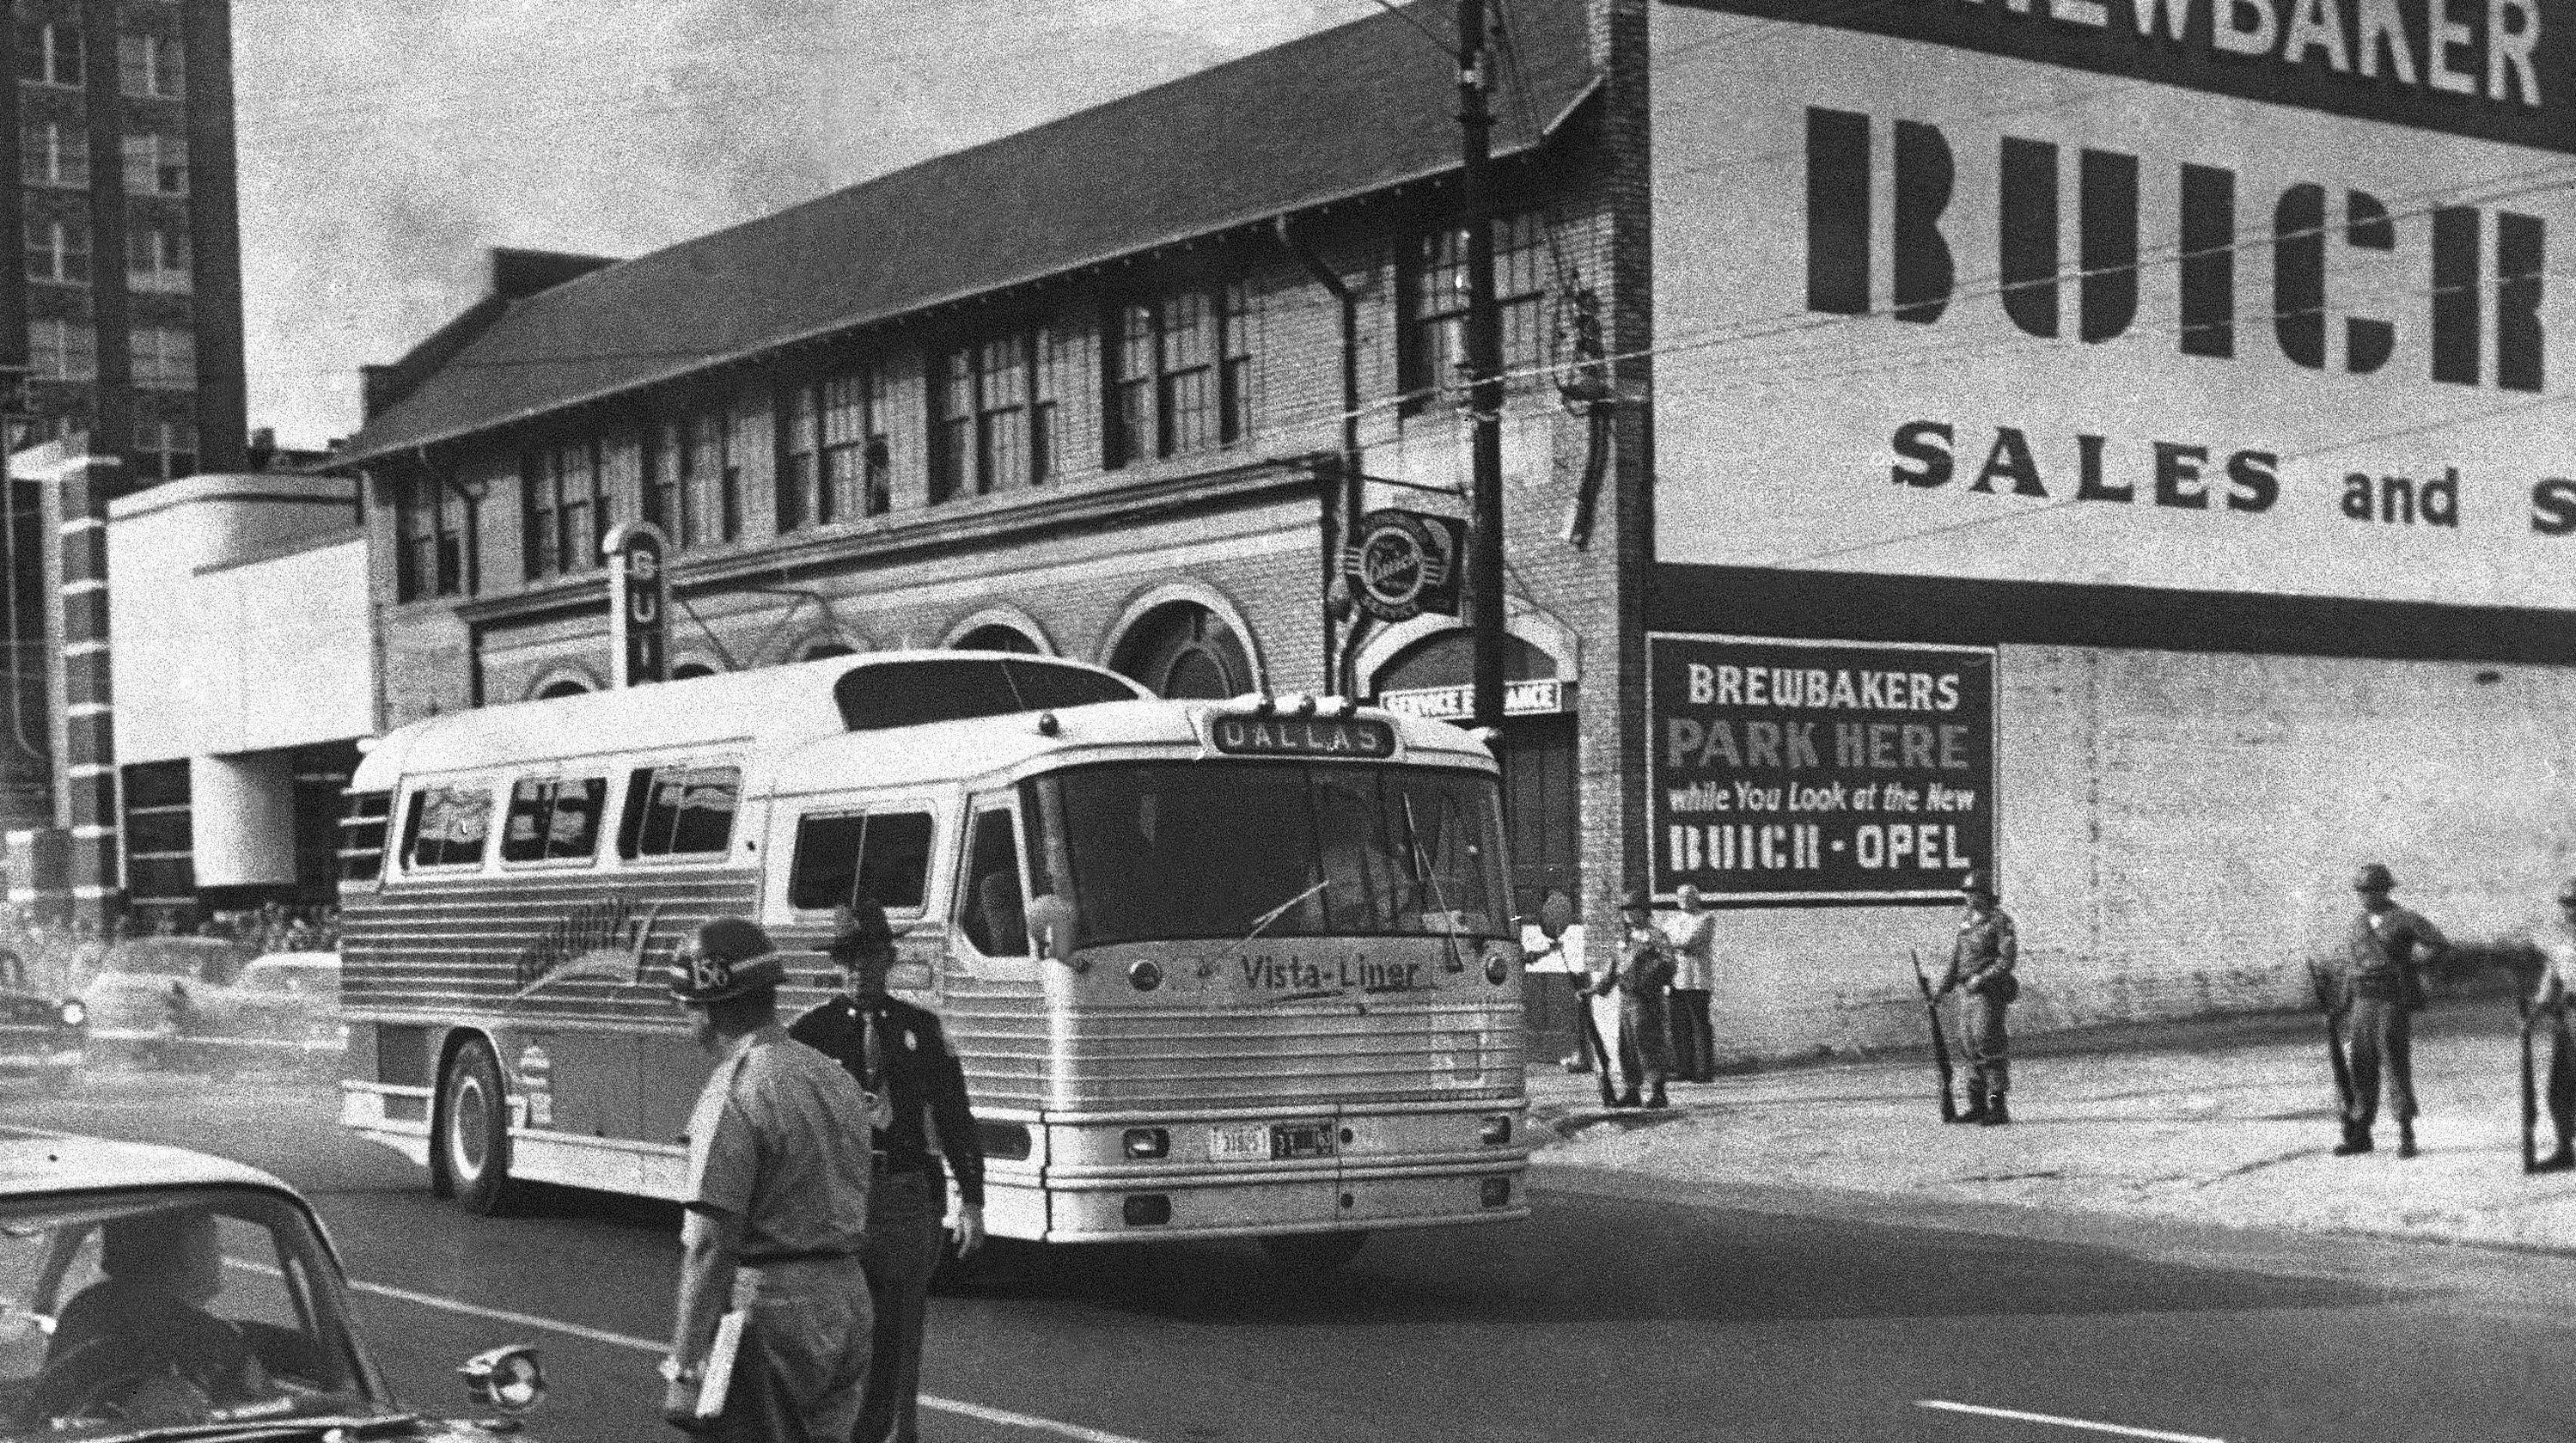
[2237,295]
[1789,770]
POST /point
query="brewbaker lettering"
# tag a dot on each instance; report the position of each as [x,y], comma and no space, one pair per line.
[1793,769]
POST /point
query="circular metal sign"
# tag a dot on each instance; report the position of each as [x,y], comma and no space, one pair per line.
[1396,558]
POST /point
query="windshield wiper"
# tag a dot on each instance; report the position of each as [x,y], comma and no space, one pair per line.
[1262,924]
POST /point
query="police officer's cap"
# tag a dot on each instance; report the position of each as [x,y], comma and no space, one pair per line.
[2374,877]
[857,931]
[731,958]
[1977,884]
[1635,900]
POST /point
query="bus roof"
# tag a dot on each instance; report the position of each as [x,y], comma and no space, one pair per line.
[992,746]
[793,709]
[764,708]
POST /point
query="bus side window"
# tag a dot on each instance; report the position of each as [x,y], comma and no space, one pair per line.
[895,863]
[671,811]
[553,819]
[447,827]
[827,861]
[884,856]
[989,905]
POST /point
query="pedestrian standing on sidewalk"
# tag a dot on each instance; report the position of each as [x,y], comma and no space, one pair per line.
[2380,988]
[2549,1008]
[896,1052]
[1981,965]
[1642,976]
[777,1209]
[1693,932]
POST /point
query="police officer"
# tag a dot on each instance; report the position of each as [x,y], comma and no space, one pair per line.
[2549,1008]
[1981,965]
[896,1052]
[777,1209]
[2375,991]
[1644,970]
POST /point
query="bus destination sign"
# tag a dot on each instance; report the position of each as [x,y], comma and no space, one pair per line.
[1280,736]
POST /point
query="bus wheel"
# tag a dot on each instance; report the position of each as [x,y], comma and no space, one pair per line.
[474,1129]
[1314,1250]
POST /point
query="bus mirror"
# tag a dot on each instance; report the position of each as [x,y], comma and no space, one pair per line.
[1555,914]
[1050,922]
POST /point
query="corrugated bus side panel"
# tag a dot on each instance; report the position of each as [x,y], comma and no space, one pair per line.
[1120,1060]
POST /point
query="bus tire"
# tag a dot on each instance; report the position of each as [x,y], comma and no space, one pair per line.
[473,1141]
[1315,1250]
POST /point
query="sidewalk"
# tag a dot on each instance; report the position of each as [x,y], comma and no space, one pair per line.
[2227,1124]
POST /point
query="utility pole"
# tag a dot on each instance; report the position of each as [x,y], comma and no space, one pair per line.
[1484,578]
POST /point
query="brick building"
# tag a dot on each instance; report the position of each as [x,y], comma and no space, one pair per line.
[1982,484]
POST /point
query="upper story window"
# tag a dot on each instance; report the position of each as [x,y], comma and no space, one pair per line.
[165,357]
[433,522]
[1432,292]
[564,510]
[62,351]
[152,66]
[165,450]
[693,478]
[51,53]
[156,259]
[57,250]
[53,153]
[156,164]
[1180,375]
[837,463]
[995,414]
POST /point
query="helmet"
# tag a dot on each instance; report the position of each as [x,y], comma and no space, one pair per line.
[1977,884]
[732,958]
[2373,877]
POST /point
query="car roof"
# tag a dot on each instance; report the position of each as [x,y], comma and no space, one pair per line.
[35,1164]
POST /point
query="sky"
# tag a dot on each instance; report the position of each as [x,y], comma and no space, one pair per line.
[387,145]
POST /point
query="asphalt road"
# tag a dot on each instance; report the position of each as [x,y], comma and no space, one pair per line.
[1623,1310]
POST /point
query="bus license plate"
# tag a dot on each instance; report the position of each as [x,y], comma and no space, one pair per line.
[1272,1142]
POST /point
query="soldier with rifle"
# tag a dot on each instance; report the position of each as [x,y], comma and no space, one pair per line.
[2374,988]
[1981,965]
[2548,1008]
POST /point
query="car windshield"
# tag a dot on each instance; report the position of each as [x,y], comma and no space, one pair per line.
[1225,849]
[129,1311]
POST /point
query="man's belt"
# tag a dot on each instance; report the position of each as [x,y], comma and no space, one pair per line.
[814,1255]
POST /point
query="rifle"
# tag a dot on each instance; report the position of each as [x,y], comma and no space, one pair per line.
[2530,1097]
[1940,1043]
[2342,1069]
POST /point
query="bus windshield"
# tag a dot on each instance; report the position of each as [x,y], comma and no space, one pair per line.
[1225,850]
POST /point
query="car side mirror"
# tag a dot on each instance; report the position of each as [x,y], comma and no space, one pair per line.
[1050,921]
[508,1379]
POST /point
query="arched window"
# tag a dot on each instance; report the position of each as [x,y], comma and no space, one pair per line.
[1182,649]
[690,670]
[996,637]
[565,687]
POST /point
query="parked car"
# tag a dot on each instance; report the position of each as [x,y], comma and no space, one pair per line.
[243,1329]
[144,984]
[43,1035]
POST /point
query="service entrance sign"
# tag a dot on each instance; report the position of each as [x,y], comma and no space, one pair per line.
[1819,771]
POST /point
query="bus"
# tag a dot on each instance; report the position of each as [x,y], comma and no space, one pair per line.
[1213,968]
